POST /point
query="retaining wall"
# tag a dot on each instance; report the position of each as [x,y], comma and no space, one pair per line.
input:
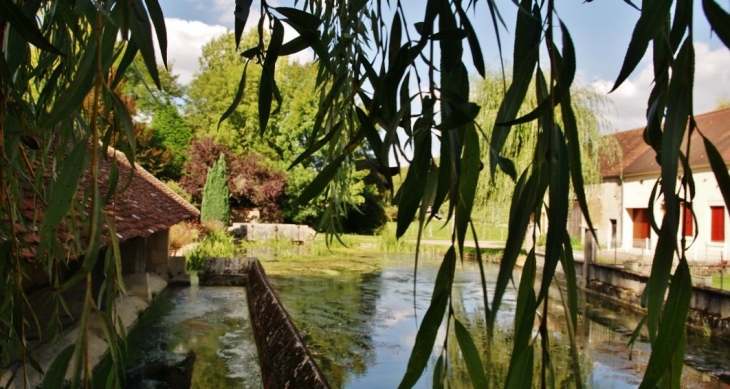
[284,358]
[709,307]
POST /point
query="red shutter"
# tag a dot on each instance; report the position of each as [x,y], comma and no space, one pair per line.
[717,233]
[688,221]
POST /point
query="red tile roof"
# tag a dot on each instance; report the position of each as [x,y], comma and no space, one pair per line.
[145,207]
[638,158]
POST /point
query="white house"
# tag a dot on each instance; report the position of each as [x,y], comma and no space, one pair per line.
[622,213]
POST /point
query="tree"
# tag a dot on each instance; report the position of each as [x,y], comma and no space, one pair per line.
[173,134]
[366,73]
[493,194]
[216,200]
[251,182]
[141,87]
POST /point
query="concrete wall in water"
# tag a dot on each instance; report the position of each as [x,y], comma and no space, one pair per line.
[283,356]
[709,307]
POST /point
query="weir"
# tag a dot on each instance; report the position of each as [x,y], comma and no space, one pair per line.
[284,358]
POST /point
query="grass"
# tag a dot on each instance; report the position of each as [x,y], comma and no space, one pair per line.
[721,281]
[439,230]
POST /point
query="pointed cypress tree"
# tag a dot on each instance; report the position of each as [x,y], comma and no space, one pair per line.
[216,205]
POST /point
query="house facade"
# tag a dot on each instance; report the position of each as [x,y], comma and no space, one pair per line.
[624,210]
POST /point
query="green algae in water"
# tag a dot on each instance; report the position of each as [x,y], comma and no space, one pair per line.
[196,336]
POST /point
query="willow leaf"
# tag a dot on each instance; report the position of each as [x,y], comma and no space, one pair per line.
[316,146]
[471,36]
[158,20]
[321,181]
[719,20]
[426,336]
[471,356]
[468,180]
[528,192]
[25,26]
[395,37]
[241,12]
[142,37]
[672,327]
[237,98]
[302,18]
[717,163]
[527,40]
[679,107]
[124,63]
[415,182]
[63,190]
[656,286]
[647,27]
[558,211]
[57,371]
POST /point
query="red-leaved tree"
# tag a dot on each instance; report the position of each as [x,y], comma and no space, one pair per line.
[250,181]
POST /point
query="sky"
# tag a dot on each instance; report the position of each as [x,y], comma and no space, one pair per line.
[600,29]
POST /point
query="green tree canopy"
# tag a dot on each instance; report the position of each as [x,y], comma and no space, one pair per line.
[171,132]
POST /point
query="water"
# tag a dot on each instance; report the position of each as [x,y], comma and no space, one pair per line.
[361,328]
[198,337]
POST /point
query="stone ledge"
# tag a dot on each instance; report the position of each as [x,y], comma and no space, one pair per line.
[284,358]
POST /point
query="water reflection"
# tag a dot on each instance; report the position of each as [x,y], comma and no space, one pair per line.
[361,329]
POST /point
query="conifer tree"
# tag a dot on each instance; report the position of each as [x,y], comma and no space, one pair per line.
[216,205]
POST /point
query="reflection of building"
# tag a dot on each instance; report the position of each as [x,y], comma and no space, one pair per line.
[628,181]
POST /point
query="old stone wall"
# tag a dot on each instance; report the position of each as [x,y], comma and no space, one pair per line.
[262,232]
[157,253]
[709,307]
[285,360]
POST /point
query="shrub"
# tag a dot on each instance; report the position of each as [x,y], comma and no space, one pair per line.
[182,234]
[216,200]
[217,244]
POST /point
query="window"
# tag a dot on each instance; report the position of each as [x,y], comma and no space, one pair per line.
[640,219]
[717,228]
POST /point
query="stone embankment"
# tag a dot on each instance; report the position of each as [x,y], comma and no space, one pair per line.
[141,290]
[284,358]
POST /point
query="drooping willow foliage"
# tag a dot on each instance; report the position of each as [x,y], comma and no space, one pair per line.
[60,63]
[380,83]
[379,79]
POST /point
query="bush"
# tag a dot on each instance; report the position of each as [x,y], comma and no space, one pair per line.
[216,200]
[217,244]
[182,234]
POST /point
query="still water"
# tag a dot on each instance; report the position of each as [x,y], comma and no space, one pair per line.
[360,329]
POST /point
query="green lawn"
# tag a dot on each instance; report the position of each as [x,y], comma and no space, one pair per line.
[721,281]
[438,230]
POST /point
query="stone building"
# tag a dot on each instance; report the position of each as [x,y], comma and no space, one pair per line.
[623,208]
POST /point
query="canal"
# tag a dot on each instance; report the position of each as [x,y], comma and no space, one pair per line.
[360,328]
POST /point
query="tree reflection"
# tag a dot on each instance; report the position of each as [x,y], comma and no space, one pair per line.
[335,317]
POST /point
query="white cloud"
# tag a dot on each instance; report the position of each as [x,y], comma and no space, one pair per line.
[186,38]
[712,74]
[185,41]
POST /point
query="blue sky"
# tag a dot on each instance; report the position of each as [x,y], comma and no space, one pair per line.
[600,30]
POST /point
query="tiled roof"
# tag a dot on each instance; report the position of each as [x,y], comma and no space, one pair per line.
[144,207]
[638,158]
